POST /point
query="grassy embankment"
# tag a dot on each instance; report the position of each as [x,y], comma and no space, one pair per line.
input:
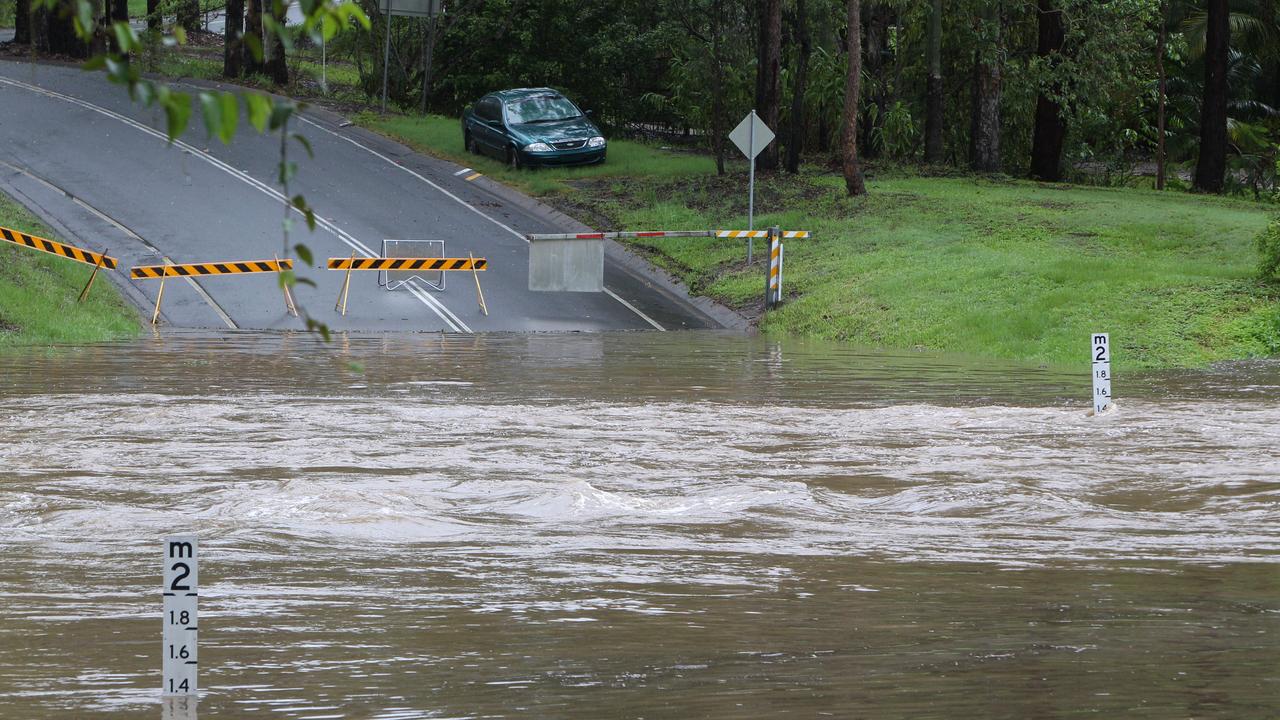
[990,267]
[38,294]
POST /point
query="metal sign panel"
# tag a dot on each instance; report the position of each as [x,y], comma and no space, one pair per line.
[412,8]
[393,280]
[751,136]
[566,265]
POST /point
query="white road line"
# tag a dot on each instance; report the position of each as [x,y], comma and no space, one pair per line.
[217,309]
[436,306]
[466,205]
[463,171]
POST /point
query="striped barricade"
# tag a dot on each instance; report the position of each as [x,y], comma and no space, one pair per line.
[438,264]
[473,265]
[237,267]
[88,257]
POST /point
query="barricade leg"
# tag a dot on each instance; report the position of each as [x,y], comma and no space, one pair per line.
[159,295]
[85,292]
[288,297]
[479,293]
[346,288]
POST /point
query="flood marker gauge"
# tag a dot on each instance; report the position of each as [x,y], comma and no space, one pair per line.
[180,592]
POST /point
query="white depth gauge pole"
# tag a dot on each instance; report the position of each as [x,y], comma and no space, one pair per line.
[181,590]
[1101,356]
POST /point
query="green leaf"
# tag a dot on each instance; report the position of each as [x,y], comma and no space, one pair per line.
[259,109]
[126,40]
[304,252]
[351,11]
[305,143]
[286,172]
[305,281]
[97,62]
[254,43]
[177,111]
[84,19]
[212,114]
[281,110]
[180,35]
[230,116]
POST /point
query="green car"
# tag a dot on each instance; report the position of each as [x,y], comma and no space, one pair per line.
[531,127]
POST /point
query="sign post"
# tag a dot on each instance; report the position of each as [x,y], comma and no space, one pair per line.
[181,590]
[1101,355]
[408,8]
[751,136]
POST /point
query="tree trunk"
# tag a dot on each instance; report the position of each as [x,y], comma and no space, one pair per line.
[877,28]
[119,10]
[429,59]
[984,131]
[154,21]
[54,33]
[1211,168]
[768,77]
[934,101]
[232,44]
[1051,127]
[277,64]
[717,85]
[1162,99]
[853,182]
[188,15]
[22,23]
[795,138]
[252,42]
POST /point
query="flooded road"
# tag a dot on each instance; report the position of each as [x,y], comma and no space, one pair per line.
[636,526]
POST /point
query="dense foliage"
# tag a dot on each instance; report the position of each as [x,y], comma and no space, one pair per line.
[671,64]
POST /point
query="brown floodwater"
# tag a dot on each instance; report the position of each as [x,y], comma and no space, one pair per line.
[636,526]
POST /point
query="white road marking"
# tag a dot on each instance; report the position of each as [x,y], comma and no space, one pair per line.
[438,307]
[463,171]
[466,205]
[217,309]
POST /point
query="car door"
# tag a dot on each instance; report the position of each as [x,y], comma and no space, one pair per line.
[491,137]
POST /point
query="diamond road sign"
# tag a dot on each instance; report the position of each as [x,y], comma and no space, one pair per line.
[751,136]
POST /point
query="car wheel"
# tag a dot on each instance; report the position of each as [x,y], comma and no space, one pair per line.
[470,143]
[513,159]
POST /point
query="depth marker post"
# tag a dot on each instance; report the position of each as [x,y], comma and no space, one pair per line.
[181,628]
[1101,356]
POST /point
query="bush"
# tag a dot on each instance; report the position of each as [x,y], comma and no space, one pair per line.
[1269,252]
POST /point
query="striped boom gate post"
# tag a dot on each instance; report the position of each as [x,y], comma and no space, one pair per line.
[238,267]
[561,267]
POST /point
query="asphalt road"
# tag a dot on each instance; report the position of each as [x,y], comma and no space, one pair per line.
[98,167]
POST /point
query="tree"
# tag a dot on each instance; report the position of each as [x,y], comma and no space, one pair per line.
[154,21]
[1211,166]
[232,42]
[795,136]
[22,23]
[189,15]
[251,39]
[769,76]
[853,181]
[277,67]
[935,101]
[984,132]
[1050,126]
[1163,94]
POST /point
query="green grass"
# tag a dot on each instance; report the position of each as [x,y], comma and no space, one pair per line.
[442,137]
[1015,270]
[38,294]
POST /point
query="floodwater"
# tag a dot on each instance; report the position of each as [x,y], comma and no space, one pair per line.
[636,526]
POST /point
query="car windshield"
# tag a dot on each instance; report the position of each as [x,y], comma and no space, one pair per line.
[543,108]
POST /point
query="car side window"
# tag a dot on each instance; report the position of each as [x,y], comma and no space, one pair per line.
[488,109]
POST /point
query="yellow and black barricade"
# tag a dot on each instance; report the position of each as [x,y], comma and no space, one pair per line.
[151,272]
[70,252]
[239,267]
[469,264]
